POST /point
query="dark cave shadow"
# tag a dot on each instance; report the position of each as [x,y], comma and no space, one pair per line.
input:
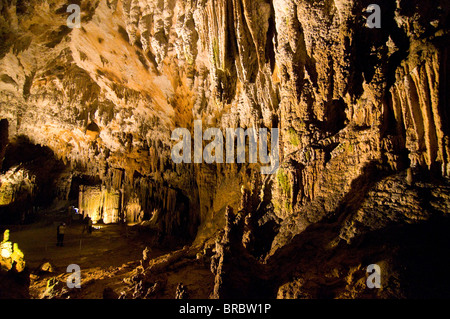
[419,251]
[43,169]
[419,254]
[309,244]
[363,60]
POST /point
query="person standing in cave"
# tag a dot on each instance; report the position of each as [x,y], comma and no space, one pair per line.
[85,224]
[60,231]
[89,225]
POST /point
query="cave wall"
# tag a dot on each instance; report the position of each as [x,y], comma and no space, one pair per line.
[106,97]
[4,139]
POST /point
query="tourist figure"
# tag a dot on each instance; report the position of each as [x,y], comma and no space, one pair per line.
[89,225]
[60,231]
[85,224]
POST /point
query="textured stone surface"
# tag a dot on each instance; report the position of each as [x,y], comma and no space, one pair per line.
[356,108]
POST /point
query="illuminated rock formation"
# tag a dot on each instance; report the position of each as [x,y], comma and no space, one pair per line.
[100,204]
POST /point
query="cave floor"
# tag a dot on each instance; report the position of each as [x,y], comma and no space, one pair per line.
[104,253]
[107,257]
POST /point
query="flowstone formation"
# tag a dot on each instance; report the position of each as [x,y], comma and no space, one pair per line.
[362,114]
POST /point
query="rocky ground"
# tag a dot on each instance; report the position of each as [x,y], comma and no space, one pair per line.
[109,259]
